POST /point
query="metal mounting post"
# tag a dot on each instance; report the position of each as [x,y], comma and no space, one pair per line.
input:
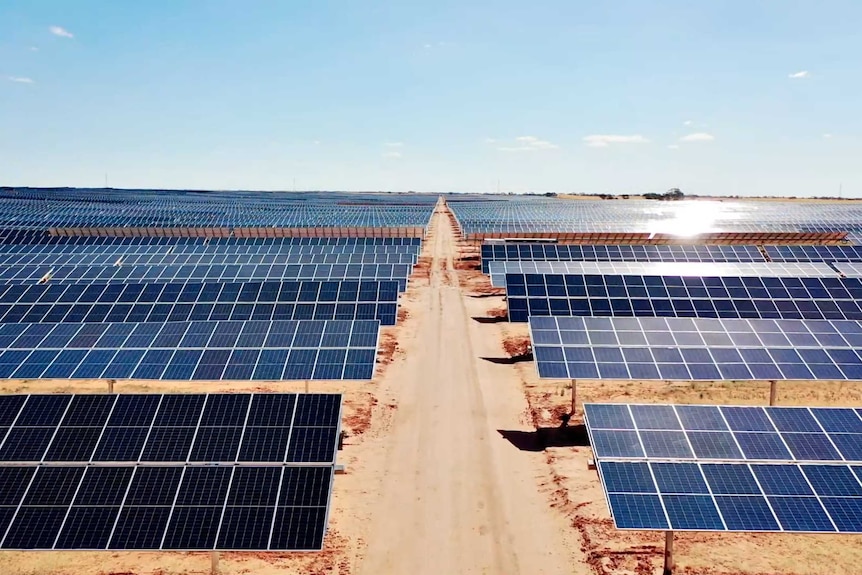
[111,386]
[214,566]
[668,553]
[773,392]
[306,386]
[574,396]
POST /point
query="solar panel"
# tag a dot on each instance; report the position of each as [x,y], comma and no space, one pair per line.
[696,348]
[131,259]
[204,350]
[725,433]
[692,496]
[729,468]
[204,301]
[161,429]
[167,472]
[622,253]
[206,273]
[499,270]
[814,253]
[677,296]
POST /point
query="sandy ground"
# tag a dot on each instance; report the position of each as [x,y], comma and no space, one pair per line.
[444,471]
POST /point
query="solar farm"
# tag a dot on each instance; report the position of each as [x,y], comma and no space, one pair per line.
[358,383]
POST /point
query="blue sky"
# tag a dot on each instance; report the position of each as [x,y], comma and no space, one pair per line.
[619,96]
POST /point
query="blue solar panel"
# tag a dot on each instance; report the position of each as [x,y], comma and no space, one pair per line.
[696,348]
[678,296]
[727,497]
[739,432]
[619,253]
[270,350]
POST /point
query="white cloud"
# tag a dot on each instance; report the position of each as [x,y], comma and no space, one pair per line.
[687,123]
[394,144]
[490,140]
[316,142]
[21,80]
[526,144]
[60,31]
[697,137]
[605,140]
[392,155]
[427,46]
[827,136]
[673,147]
[34,49]
[798,75]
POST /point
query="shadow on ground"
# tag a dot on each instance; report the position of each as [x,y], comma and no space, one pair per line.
[572,436]
[510,360]
[502,319]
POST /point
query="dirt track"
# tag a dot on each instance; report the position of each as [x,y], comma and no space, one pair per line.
[456,497]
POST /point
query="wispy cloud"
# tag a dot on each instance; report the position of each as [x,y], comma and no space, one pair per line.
[697,137]
[60,31]
[21,80]
[827,136]
[34,49]
[798,75]
[394,144]
[673,147]
[687,123]
[392,155]
[605,140]
[525,144]
[427,46]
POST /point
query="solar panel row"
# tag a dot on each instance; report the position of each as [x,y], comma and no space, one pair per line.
[499,270]
[278,350]
[164,508]
[620,253]
[728,433]
[269,301]
[696,348]
[197,274]
[194,428]
[102,259]
[666,253]
[734,496]
[675,296]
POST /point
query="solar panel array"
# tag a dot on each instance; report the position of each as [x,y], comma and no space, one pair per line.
[41,209]
[212,301]
[814,253]
[197,350]
[729,468]
[499,270]
[167,472]
[696,348]
[683,296]
[686,218]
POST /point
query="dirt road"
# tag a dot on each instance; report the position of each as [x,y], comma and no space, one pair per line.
[457,497]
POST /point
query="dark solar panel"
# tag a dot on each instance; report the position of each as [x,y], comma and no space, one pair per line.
[193,428]
[230,482]
[204,301]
